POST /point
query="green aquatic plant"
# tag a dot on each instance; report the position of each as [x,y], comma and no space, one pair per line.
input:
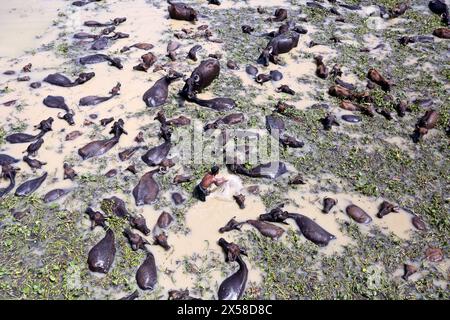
[62,49]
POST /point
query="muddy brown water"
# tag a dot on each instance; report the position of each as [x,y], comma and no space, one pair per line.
[147,23]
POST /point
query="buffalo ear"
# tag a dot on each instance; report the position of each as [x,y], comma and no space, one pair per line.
[270,49]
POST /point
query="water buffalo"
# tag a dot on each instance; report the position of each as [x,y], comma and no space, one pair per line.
[101,256]
[44,126]
[33,163]
[56,102]
[328,204]
[30,186]
[310,229]
[8,172]
[440,8]
[233,118]
[267,229]
[113,22]
[140,45]
[386,208]
[233,287]
[181,11]
[231,225]
[55,194]
[164,220]
[156,155]
[192,54]
[94,100]
[157,95]
[138,222]
[147,190]
[375,76]
[358,214]
[97,148]
[115,205]
[329,121]
[6,160]
[443,33]
[60,80]
[161,240]
[98,58]
[426,122]
[148,60]
[279,15]
[270,170]
[97,218]
[218,104]
[321,70]
[146,275]
[135,240]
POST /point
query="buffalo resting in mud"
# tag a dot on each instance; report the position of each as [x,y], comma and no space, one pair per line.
[201,77]
[157,95]
[100,147]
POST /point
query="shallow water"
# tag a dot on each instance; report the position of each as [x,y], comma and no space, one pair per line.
[26,18]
